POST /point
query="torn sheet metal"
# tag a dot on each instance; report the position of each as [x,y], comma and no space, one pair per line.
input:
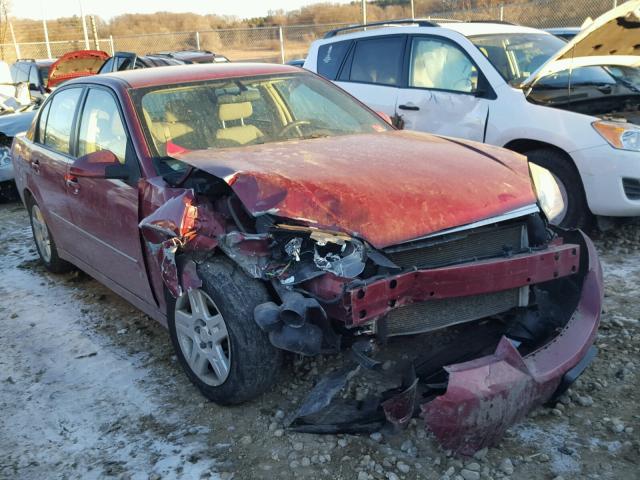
[472,403]
[182,223]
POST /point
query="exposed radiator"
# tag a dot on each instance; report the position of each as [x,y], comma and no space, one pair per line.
[460,247]
[435,314]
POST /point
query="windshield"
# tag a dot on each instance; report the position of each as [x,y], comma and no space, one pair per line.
[237,112]
[517,55]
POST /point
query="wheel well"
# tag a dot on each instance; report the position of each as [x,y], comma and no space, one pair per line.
[524,145]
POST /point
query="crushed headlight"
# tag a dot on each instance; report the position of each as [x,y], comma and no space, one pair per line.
[623,136]
[550,194]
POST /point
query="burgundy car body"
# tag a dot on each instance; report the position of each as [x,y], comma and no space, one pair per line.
[388,189]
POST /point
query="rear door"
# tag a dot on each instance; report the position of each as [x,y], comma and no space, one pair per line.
[373,71]
[445,92]
[50,159]
[105,211]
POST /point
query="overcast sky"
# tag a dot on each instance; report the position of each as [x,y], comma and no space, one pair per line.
[110,8]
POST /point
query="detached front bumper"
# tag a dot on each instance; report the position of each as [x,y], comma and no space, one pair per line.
[487,395]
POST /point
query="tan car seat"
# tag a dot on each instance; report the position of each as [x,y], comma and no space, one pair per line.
[243,133]
[171,127]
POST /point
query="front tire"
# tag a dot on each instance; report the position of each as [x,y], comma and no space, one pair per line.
[576,213]
[218,344]
[45,244]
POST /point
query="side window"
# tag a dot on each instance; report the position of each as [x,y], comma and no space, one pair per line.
[107,66]
[123,63]
[378,60]
[33,77]
[20,72]
[441,65]
[42,123]
[58,131]
[101,126]
[330,58]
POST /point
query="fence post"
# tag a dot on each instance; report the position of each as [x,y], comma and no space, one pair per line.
[197,40]
[15,44]
[46,38]
[113,50]
[502,12]
[281,35]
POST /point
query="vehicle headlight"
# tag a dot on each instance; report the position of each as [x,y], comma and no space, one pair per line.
[549,192]
[623,136]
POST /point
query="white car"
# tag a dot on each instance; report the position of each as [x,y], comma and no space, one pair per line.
[572,108]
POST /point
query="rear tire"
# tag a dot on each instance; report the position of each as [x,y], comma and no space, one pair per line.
[252,362]
[45,244]
[577,213]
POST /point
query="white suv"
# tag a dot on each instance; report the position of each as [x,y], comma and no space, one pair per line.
[573,109]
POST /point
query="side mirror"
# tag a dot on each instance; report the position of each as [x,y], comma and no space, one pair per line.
[101,164]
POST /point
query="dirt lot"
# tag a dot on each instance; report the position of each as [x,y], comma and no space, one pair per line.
[90,388]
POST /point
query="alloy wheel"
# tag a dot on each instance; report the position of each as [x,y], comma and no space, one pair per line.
[203,337]
[41,233]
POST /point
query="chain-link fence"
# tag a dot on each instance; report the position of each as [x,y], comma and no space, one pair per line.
[278,44]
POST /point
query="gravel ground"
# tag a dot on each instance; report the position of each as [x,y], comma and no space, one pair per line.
[90,388]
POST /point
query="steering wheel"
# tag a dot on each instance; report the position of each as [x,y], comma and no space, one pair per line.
[290,126]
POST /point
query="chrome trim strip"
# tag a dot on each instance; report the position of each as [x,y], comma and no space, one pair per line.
[93,237]
[518,212]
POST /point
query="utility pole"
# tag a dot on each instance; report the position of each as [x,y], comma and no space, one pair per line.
[94,31]
[46,37]
[15,44]
[364,12]
[46,30]
[84,27]
[413,11]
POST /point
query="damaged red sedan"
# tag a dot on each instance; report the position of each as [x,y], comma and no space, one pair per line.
[258,209]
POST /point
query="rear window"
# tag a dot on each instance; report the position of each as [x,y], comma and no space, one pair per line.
[330,58]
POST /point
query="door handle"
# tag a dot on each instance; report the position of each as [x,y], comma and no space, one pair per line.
[35,165]
[72,183]
[409,106]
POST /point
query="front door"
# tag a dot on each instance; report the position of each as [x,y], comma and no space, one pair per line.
[50,159]
[105,211]
[445,91]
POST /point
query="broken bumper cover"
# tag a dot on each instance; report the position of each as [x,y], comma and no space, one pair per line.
[378,298]
[487,395]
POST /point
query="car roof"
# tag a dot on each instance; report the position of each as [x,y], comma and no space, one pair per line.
[40,62]
[149,77]
[468,29]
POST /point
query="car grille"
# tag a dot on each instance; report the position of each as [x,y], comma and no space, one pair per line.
[435,314]
[460,247]
[631,188]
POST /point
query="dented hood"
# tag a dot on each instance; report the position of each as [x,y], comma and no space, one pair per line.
[76,64]
[386,188]
[612,39]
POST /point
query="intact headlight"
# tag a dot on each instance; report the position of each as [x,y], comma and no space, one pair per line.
[551,197]
[623,136]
